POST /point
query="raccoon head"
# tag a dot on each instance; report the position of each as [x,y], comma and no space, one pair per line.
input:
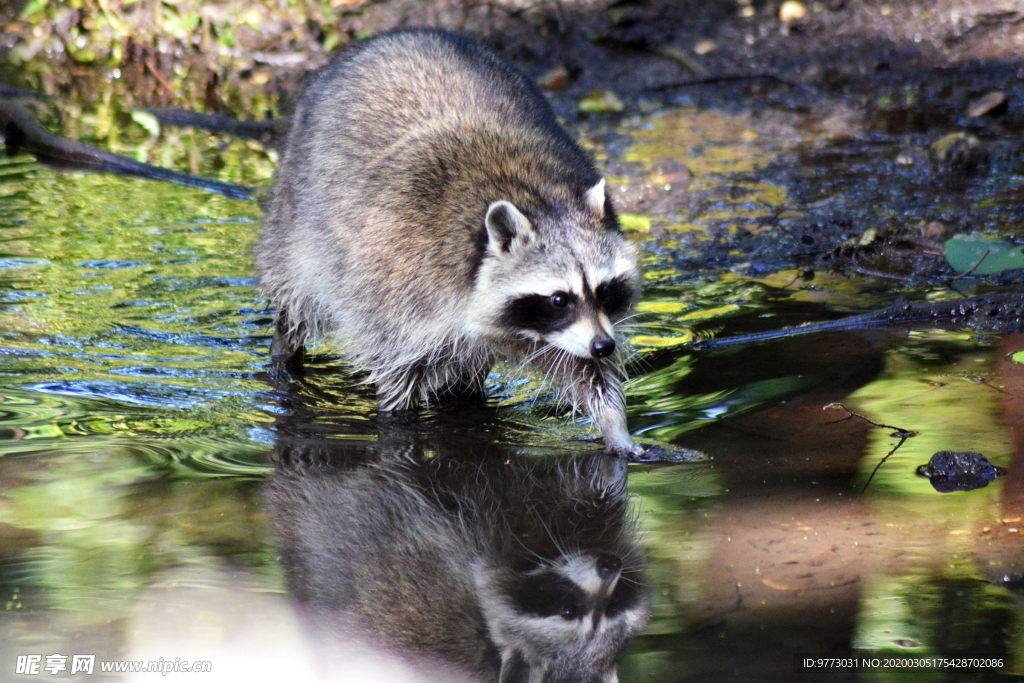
[567,595]
[563,274]
[565,621]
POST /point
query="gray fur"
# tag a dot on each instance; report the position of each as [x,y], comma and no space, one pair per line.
[375,228]
[415,556]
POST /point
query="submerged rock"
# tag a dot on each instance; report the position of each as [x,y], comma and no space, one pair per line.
[950,471]
[958,153]
[555,79]
[990,103]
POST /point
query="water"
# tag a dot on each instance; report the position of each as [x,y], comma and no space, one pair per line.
[139,420]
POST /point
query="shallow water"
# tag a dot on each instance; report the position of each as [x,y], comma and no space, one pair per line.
[139,417]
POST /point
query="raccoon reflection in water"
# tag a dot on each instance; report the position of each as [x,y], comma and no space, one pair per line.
[430,212]
[460,567]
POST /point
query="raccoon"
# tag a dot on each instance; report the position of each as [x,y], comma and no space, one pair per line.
[430,212]
[510,569]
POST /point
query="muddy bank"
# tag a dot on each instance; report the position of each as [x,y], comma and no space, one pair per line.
[634,47]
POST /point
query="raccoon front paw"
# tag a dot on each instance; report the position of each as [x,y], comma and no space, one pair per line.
[650,451]
[631,451]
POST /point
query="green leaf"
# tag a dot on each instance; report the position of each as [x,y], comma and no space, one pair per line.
[984,254]
[33,7]
[147,121]
[332,41]
[226,36]
[86,56]
[634,222]
[600,102]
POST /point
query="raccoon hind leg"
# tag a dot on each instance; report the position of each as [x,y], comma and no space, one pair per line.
[399,389]
[461,384]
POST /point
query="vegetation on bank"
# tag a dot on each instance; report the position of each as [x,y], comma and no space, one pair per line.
[208,55]
[171,52]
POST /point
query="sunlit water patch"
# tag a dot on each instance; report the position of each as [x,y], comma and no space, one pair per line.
[139,418]
[131,314]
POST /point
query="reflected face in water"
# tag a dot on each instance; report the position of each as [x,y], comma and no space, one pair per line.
[572,617]
[497,567]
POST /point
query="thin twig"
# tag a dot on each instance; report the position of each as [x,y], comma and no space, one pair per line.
[902,433]
[851,414]
[875,273]
[903,437]
[726,78]
[268,132]
[160,78]
[972,268]
[12,92]
[22,132]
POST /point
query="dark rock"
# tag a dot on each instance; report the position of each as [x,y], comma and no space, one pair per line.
[950,471]
[958,153]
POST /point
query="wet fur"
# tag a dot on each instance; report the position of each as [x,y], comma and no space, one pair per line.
[421,557]
[374,228]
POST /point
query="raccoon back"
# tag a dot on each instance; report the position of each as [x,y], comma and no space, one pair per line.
[395,151]
[370,558]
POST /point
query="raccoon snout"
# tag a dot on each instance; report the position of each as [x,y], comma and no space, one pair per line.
[602,347]
[608,566]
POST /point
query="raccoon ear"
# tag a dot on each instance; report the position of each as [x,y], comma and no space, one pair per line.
[505,224]
[595,198]
[515,669]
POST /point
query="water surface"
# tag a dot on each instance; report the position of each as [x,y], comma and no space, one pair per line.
[138,419]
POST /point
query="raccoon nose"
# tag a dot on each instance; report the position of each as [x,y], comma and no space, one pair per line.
[608,566]
[601,347]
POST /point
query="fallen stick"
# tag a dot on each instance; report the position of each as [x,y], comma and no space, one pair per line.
[22,132]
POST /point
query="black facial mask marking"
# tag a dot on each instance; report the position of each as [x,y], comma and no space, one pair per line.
[549,595]
[539,313]
[614,296]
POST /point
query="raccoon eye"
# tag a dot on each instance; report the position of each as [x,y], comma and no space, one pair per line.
[559,299]
[614,297]
[547,595]
[538,312]
[571,611]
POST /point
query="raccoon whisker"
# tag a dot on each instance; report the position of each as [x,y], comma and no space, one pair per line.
[555,377]
[632,556]
[557,374]
[559,545]
[527,551]
[551,370]
[631,552]
[567,381]
[627,580]
[535,355]
[643,363]
[631,316]
[520,369]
